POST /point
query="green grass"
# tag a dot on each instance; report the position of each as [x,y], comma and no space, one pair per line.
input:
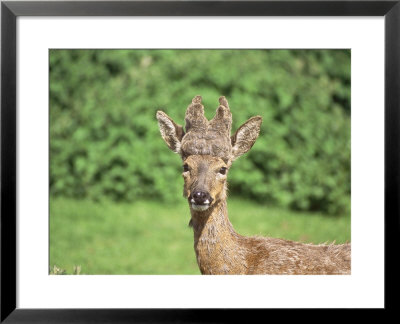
[148,237]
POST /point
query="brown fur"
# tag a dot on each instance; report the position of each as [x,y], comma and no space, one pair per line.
[206,148]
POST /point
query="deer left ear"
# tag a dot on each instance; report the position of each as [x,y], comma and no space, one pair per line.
[245,137]
[171,132]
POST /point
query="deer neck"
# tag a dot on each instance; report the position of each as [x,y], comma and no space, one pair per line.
[216,243]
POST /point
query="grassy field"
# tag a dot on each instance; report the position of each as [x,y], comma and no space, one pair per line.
[148,237]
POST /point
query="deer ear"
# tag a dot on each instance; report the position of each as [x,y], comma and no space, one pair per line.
[245,136]
[171,132]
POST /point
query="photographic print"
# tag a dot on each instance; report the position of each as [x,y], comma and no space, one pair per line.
[200,161]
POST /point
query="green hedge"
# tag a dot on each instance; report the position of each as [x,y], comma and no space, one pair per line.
[105,143]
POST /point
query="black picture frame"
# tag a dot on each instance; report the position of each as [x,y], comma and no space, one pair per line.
[10,10]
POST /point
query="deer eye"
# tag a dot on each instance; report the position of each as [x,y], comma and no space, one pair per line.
[185,168]
[222,170]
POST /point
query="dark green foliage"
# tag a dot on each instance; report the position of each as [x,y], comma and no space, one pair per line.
[105,142]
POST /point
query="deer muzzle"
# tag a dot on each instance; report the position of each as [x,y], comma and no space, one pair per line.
[200,200]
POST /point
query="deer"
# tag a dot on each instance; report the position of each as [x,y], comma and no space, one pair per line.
[207,150]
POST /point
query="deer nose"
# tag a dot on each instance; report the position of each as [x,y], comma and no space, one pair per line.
[201,198]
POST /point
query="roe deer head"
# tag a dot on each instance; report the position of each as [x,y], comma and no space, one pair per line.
[207,150]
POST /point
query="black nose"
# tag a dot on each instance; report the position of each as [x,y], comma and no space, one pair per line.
[201,198]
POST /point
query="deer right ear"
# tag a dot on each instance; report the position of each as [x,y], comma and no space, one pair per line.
[171,132]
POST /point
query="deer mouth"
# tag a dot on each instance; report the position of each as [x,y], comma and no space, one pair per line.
[201,207]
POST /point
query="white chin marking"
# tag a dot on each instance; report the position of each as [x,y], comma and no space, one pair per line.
[200,207]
